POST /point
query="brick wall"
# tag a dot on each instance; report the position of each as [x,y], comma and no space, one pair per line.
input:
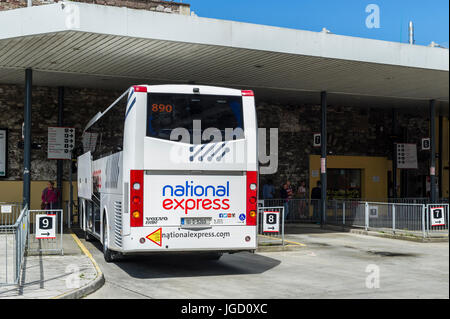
[152,5]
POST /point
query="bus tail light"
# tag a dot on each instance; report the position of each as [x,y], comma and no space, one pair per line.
[137,198]
[140,89]
[252,195]
[247,93]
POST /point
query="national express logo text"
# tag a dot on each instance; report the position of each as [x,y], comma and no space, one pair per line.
[203,197]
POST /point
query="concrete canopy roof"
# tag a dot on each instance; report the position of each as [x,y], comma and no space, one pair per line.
[84,45]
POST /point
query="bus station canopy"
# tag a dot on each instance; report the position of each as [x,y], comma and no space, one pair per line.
[94,46]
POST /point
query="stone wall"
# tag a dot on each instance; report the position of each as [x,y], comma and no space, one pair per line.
[152,5]
[351,131]
[80,106]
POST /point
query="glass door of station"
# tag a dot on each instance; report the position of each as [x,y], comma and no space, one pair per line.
[343,183]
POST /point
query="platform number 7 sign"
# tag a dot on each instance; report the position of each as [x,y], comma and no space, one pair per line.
[437,216]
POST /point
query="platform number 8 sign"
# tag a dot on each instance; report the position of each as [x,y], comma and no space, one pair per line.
[271,222]
[437,216]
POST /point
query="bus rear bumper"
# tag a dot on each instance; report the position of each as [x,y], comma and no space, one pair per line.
[193,252]
[177,239]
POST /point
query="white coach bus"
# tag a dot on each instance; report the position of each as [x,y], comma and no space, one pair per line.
[171,168]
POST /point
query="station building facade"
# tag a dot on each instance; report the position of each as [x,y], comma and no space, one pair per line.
[360,139]
[360,144]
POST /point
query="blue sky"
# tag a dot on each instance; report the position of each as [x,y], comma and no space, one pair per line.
[345,17]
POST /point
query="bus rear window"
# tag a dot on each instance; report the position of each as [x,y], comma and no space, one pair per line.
[217,114]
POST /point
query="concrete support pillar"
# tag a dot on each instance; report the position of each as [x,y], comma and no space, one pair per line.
[441,153]
[433,151]
[27,138]
[323,157]
[59,163]
[394,152]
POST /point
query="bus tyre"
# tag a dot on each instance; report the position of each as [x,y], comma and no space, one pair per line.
[108,254]
[88,237]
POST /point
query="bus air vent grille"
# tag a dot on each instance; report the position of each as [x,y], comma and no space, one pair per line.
[118,223]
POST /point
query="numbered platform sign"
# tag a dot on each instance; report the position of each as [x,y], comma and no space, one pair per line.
[46,226]
[271,222]
[437,216]
[373,211]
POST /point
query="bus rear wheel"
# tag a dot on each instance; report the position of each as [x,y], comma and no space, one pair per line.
[108,254]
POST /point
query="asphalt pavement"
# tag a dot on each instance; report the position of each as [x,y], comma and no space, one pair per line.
[329,264]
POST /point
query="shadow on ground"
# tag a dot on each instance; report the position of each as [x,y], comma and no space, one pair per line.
[175,265]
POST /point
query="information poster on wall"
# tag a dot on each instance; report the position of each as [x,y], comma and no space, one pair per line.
[3,151]
[61,141]
[407,155]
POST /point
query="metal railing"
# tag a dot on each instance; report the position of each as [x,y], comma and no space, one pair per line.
[436,227]
[396,215]
[45,245]
[9,212]
[13,242]
[70,216]
[297,210]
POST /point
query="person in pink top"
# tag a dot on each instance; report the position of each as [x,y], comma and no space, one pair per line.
[50,196]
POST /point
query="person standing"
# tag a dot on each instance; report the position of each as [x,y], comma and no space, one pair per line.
[50,197]
[286,194]
[268,192]
[301,195]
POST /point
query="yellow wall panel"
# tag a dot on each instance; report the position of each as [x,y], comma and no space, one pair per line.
[11,191]
[374,170]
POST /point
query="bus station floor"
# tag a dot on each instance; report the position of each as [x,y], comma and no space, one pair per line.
[328,264]
[53,275]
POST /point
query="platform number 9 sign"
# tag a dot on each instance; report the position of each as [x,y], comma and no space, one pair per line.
[46,223]
[45,226]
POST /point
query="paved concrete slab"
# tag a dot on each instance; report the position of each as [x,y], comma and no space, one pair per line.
[432,236]
[53,276]
[7,274]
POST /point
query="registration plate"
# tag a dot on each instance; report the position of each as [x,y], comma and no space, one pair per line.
[196,221]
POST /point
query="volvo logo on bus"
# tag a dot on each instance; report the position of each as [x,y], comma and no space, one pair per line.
[208,194]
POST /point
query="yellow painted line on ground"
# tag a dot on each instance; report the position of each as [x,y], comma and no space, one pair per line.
[295,243]
[87,253]
[287,241]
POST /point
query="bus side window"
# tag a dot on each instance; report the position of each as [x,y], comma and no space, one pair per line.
[109,132]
